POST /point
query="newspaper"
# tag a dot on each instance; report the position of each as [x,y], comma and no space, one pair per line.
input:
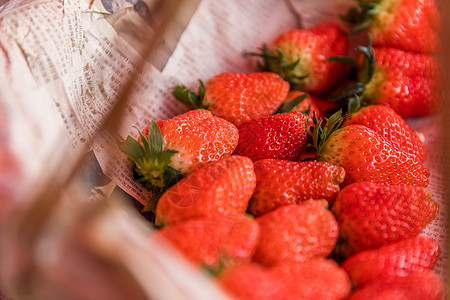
[65,63]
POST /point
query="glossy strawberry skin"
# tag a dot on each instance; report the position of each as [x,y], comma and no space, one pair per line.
[296,233]
[280,182]
[312,47]
[281,136]
[316,278]
[218,188]
[372,215]
[199,137]
[409,83]
[387,123]
[409,25]
[414,286]
[367,156]
[253,282]
[240,97]
[222,241]
[419,253]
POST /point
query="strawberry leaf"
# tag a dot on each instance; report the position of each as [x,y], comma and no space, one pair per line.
[133,149]
[189,98]
[369,61]
[320,135]
[287,107]
[348,60]
[349,90]
[150,160]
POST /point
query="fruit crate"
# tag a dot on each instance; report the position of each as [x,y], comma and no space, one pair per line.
[71,219]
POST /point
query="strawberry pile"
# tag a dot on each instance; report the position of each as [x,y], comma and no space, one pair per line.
[302,180]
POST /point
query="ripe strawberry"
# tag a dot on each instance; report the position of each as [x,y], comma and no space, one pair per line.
[316,278]
[252,282]
[237,97]
[367,156]
[214,242]
[168,149]
[410,25]
[281,136]
[386,122]
[296,233]
[372,215]
[409,83]
[419,253]
[281,182]
[414,286]
[223,187]
[300,57]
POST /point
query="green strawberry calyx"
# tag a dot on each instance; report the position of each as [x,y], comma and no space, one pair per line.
[275,61]
[362,16]
[190,98]
[150,163]
[288,106]
[322,133]
[357,90]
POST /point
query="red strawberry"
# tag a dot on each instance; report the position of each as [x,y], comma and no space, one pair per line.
[316,278]
[281,136]
[372,215]
[367,156]
[238,97]
[296,232]
[171,148]
[300,57]
[414,286]
[223,187]
[386,122]
[253,282]
[409,83]
[214,242]
[419,253]
[280,182]
[410,25]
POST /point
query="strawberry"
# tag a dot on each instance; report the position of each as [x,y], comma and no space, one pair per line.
[409,83]
[419,253]
[166,150]
[414,286]
[387,123]
[296,232]
[281,136]
[316,278]
[300,57]
[214,243]
[237,97]
[372,215]
[280,182]
[252,282]
[410,25]
[223,187]
[367,156]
